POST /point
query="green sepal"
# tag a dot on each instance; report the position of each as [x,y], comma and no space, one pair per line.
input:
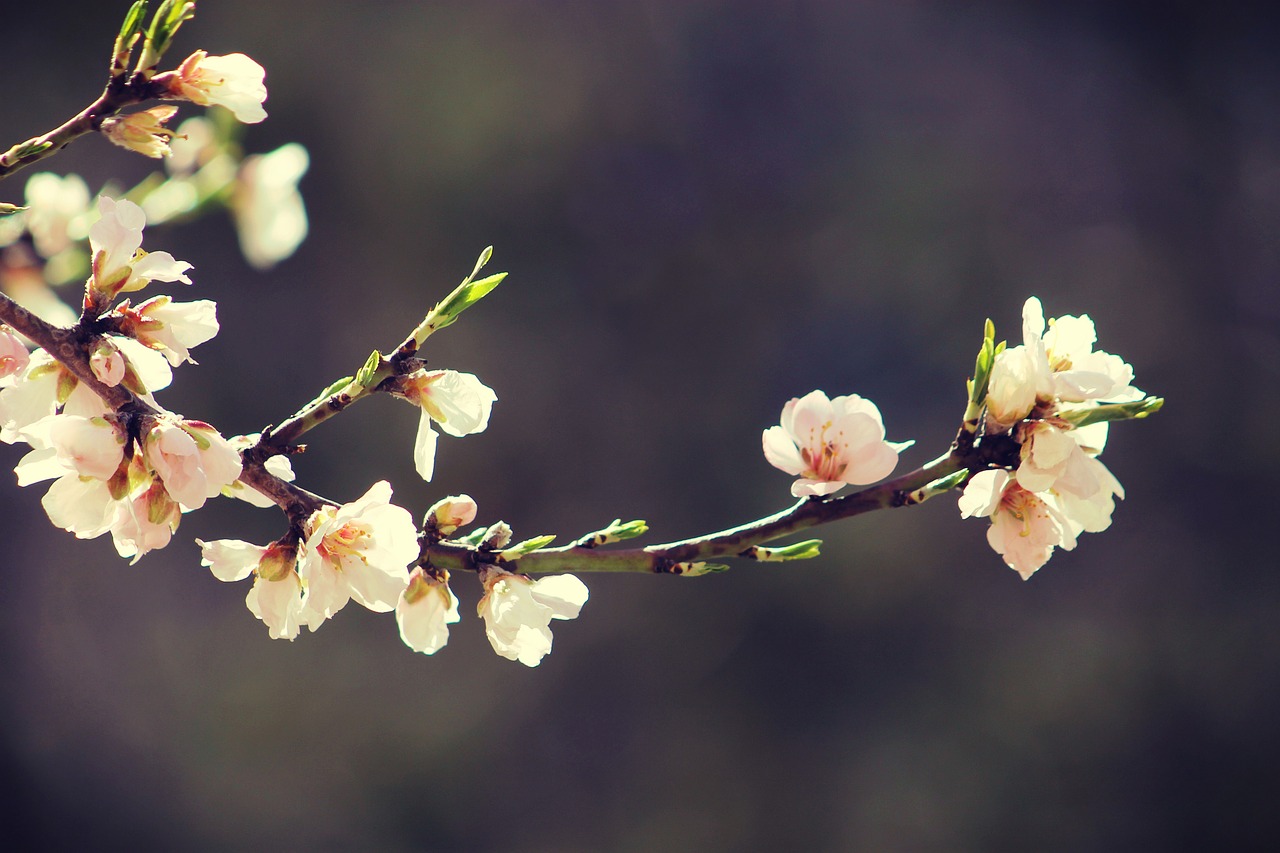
[365,375]
[325,394]
[805,550]
[1112,412]
[616,531]
[528,546]
[698,569]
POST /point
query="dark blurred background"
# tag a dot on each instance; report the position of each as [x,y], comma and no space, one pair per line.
[706,209]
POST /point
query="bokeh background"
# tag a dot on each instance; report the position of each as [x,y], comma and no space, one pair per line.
[706,209]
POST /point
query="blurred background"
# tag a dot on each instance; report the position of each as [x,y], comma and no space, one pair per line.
[706,208]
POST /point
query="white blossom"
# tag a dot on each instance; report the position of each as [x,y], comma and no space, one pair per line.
[171,327]
[233,81]
[277,596]
[360,550]
[270,217]
[426,609]
[517,611]
[459,402]
[829,443]
[119,264]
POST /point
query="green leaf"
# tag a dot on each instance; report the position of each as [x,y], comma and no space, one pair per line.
[325,394]
[1112,412]
[132,23]
[6,208]
[698,569]
[806,550]
[616,531]
[528,546]
[366,375]
[467,294]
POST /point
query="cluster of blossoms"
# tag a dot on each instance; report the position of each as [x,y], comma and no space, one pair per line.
[1038,393]
[130,475]
[360,551]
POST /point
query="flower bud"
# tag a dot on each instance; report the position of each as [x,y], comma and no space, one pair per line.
[448,514]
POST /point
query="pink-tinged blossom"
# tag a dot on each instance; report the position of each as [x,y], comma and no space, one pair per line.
[233,81]
[14,356]
[57,212]
[144,521]
[277,595]
[1052,458]
[360,550]
[829,444]
[448,514]
[107,364]
[68,444]
[147,371]
[1025,527]
[119,264]
[426,609]
[459,402]
[191,458]
[518,610]
[143,131]
[41,390]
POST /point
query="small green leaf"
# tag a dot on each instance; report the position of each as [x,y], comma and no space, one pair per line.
[366,375]
[325,394]
[1112,412]
[806,550]
[6,208]
[528,546]
[616,531]
[698,569]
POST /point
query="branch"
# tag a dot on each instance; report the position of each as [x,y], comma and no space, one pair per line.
[119,93]
[681,557]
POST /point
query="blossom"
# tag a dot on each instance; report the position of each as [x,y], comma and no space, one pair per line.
[518,610]
[233,81]
[426,609]
[1051,367]
[39,391]
[277,595]
[119,264]
[57,212]
[14,356]
[448,514]
[144,521]
[171,327]
[360,550]
[459,402]
[83,456]
[271,220]
[831,443]
[1025,527]
[143,132]
[107,364]
[192,460]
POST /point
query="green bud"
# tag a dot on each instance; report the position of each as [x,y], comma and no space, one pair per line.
[698,569]
[1112,412]
[616,531]
[528,546]
[366,375]
[806,550]
[129,32]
